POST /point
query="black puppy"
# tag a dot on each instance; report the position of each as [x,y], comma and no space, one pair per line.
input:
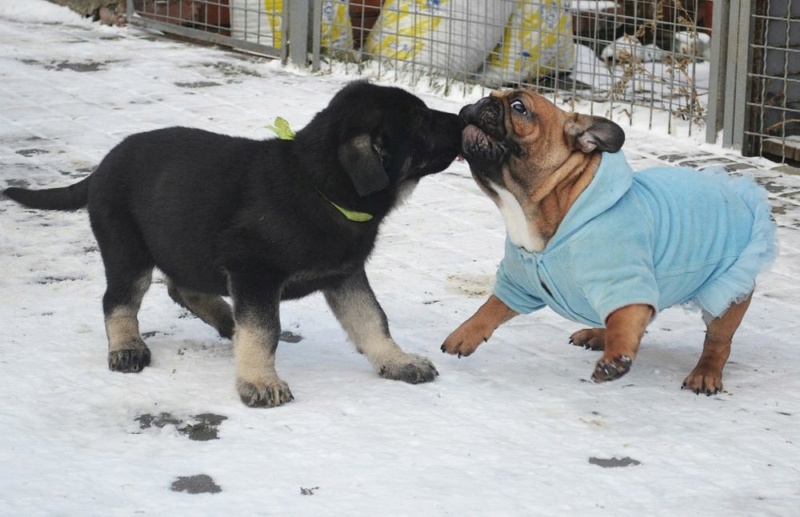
[260,221]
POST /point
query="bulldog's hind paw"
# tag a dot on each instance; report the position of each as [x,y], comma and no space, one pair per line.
[702,382]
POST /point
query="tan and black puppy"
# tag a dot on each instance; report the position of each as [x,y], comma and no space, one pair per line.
[260,221]
[606,247]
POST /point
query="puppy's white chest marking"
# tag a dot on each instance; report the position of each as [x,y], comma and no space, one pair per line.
[405,190]
[519,229]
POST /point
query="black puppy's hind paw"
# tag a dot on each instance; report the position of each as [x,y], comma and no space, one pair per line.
[610,370]
[415,370]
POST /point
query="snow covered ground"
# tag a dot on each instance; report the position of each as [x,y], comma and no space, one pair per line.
[516,429]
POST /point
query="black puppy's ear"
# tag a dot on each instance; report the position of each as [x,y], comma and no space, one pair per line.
[361,158]
[595,133]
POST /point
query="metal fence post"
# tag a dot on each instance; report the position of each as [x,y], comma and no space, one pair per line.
[315,23]
[299,11]
[716,83]
[737,73]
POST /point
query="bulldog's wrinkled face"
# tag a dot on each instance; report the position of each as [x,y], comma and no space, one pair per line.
[520,137]
[520,147]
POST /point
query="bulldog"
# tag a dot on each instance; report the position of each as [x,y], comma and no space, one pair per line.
[604,246]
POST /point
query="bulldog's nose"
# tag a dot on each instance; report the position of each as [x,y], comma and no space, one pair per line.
[469,113]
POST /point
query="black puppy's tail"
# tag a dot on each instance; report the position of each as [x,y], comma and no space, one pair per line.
[65,198]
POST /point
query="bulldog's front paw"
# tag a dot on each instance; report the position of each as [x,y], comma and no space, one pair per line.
[463,341]
[590,339]
[610,369]
[413,369]
[271,394]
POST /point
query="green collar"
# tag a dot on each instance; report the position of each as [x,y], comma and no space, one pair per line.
[284,132]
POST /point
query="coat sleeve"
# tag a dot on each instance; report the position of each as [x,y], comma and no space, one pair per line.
[510,287]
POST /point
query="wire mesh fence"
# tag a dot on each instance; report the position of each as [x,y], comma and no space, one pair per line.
[634,55]
[773,104]
[651,60]
[250,25]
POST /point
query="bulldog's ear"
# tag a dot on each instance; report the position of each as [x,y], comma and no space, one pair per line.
[361,158]
[595,133]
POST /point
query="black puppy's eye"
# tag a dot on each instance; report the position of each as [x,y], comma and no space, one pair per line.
[519,107]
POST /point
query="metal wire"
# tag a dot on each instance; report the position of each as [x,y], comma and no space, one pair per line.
[773,105]
[638,58]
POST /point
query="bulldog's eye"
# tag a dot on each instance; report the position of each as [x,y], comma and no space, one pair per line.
[519,107]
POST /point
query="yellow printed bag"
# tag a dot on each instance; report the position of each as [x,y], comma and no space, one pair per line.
[450,35]
[537,41]
[249,22]
[337,31]
[258,21]
[274,17]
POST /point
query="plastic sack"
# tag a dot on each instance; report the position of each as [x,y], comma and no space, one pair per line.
[258,21]
[337,31]
[252,22]
[536,41]
[451,35]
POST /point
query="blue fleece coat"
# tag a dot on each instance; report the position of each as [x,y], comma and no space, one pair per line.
[663,236]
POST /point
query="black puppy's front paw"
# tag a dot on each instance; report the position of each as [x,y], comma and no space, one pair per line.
[129,360]
[415,370]
[272,394]
[606,370]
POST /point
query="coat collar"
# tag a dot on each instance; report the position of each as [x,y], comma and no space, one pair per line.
[611,181]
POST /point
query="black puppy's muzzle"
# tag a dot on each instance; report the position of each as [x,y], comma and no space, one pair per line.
[443,140]
[447,124]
